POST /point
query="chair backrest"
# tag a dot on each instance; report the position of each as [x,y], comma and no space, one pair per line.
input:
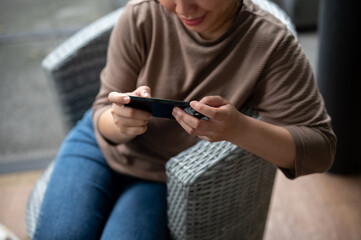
[279,13]
[73,68]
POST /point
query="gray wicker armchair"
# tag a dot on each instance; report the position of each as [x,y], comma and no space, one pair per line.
[215,190]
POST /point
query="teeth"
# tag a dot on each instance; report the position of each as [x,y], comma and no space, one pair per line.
[188,18]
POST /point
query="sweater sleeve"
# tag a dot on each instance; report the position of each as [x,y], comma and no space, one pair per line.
[125,58]
[287,95]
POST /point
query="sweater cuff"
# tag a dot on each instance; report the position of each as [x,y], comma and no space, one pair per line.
[314,151]
[299,156]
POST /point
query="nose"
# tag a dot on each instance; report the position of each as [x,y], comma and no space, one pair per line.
[185,8]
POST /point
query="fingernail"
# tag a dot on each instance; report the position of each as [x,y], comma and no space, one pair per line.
[126,98]
[145,94]
[193,104]
[175,112]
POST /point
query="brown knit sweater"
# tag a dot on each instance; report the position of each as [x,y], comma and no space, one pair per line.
[257,63]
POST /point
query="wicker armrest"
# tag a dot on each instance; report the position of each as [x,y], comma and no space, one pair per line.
[35,199]
[218,191]
[73,68]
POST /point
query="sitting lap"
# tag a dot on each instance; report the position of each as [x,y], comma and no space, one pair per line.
[85,199]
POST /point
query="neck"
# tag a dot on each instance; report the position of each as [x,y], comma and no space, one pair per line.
[224,24]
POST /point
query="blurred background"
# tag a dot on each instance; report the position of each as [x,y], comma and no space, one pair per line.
[31,129]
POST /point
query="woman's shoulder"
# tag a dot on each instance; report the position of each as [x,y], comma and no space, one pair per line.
[268,18]
[143,6]
[141,2]
[144,12]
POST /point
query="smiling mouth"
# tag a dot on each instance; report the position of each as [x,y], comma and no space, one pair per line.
[193,21]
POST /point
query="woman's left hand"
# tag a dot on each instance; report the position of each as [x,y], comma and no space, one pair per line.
[223,119]
[268,141]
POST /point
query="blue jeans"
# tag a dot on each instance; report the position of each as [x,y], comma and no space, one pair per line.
[85,199]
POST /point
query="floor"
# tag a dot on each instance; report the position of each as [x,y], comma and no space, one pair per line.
[14,192]
[30,124]
[314,207]
[318,206]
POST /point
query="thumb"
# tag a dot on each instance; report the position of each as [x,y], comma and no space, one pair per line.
[118,98]
[214,101]
[142,91]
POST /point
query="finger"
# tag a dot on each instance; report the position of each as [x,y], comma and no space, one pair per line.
[214,101]
[191,124]
[142,91]
[133,130]
[129,122]
[190,130]
[129,112]
[118,98]
[209,139]
[201,128]
[205,138]
[188,122]
[181,115]
[206,110]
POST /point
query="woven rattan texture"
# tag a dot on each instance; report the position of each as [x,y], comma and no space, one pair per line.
[35,200]
[218,191]
[74,67]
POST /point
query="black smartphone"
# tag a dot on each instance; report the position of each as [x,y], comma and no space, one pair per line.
[162,108]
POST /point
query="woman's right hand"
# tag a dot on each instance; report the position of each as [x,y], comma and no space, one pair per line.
[120,124]
[130,121]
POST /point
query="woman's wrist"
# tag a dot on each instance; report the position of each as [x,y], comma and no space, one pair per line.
[110,131]
[270,142]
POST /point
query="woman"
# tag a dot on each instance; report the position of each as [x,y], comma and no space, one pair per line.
[109,177]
